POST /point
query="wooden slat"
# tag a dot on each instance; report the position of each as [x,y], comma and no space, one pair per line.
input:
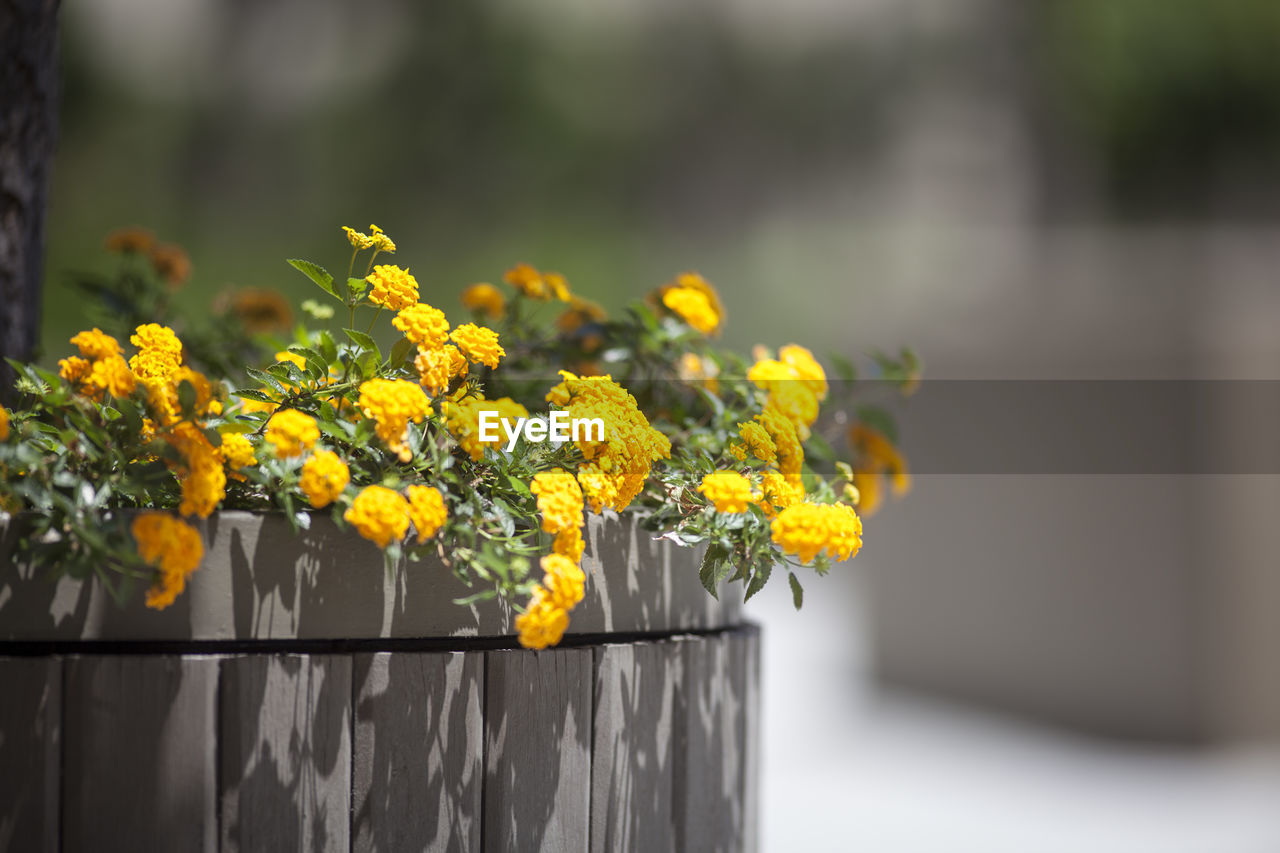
[537,750]
[632,761]
[138,770]
[418,762]
[285,752]
[709,784]
[30,724]
[744,645]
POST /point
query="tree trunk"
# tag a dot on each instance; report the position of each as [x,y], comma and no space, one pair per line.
[28,124]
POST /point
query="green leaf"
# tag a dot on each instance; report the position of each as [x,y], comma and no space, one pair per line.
[400,352]
[318,274]
[267,379]
[328,349]
[356,287]
[797,592]
[844,368]
[247,394]
[715,566]
[365,342]
[758,580]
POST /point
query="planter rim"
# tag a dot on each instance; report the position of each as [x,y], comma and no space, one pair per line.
[258,581]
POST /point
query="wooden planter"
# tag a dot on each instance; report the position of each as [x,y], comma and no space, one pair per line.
[297,697]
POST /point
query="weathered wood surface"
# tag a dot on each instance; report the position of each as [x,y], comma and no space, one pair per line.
[537,790]
[642,745]
[260,581]
[710,771]
[418,769]
[633,749]
[138,762]
[30,722]
[285,752]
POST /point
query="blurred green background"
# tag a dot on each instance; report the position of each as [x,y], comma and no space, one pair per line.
[806,159]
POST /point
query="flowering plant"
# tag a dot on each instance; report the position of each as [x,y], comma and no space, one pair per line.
[400,444]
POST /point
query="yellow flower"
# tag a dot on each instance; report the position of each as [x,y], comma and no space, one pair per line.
[616,467]
[875,456]
[96,344]
[173,547]
[358,241]
[393,403]
[422,324]
[427,510]
[478,344]
[543,623]
[4,424]
[205,402]
[693,307]
[728,491]
[236,451]
[203,480]
[692,298]
[787,441]
[112,374]
[569,543]
[393,287]
[324,476]
[159,353]
[379,515]
[484,298]
[777,493]
[559,500]
[563,581]
[693,368]
[130,240]
[291,432]
[537,285]
[806,368]
[807,529]
[463,420]
[76,370]
[437,367]
[755,440]
[381,241]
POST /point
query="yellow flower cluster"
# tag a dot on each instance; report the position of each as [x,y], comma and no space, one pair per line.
[393,403]
[376,240]
[796,384]
[203,480]
[755,440]
[777,492]
[99,367]
[159,353]
[382,515]
[875,458]
[291,433]
[534,284]
[486,299]
[808,529]
[324,477]
[392,287]
[692,298]
[4,424]
[427,510]
[237,452]
[463,420]
[173,547]
[615,468]
[423,325]
[379,515]
[546,617]
[438,367]
[728,491]
[478,344]
[580,313]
